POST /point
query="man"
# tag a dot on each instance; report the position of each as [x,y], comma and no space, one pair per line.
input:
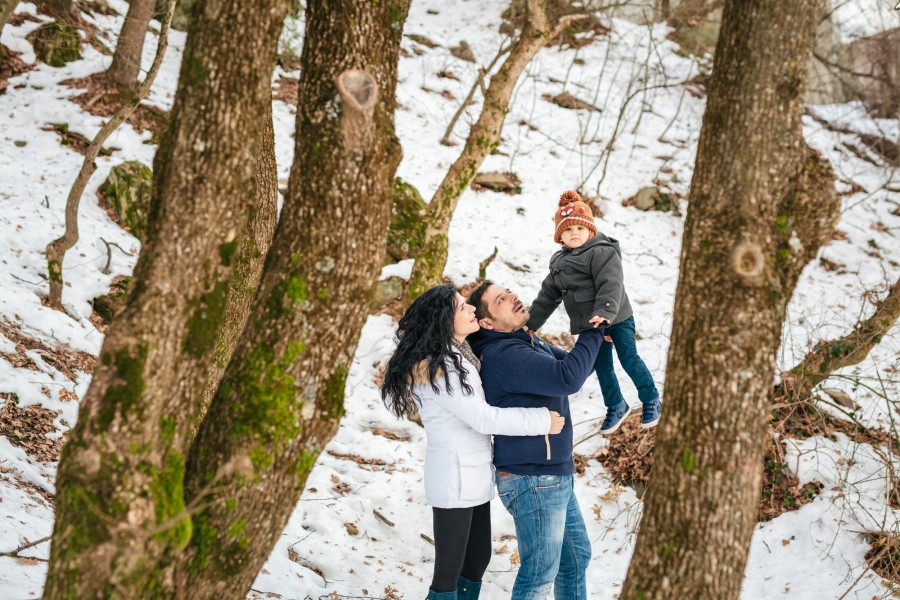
[534,474]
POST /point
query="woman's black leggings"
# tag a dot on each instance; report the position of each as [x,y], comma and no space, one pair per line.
[462,545]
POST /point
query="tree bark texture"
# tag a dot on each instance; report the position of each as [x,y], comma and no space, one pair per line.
[248,263]
[761,204]
[126,63]
[483,138]
[282,395]
[120,506]
[56,250]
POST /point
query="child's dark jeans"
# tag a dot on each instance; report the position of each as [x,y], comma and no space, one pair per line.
[622,335]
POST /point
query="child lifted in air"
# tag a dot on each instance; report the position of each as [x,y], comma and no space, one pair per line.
[586,275]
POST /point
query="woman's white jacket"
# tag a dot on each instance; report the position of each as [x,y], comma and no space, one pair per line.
[458,461]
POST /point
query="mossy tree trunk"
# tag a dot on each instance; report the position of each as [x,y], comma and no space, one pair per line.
[126,63]
[248,263]
[120,506]
[761,204]
[281,398]
[483,138]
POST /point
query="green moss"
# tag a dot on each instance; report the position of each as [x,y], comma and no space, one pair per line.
[57,43]
[194,70]
[322,294]
[231,504]
[406,232]
[429,267]
[305,463]
[783,223]
[396,16]
[687,460]
[236,528]
[782,254]
[203,326]
[295,259]
[54,269]
[267,411]
[667,548]
[332,398]
[125,393]
[203,540]
[167,428]
[127,191]
[226,252]
[167,491]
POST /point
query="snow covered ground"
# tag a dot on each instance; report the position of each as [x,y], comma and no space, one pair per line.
[336,541]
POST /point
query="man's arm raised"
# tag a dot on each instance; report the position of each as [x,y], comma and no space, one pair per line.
[521,369]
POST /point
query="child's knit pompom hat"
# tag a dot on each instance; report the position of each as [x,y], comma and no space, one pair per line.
[572,211]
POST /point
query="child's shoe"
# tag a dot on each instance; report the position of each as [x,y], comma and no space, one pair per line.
[615,415]
[650,413]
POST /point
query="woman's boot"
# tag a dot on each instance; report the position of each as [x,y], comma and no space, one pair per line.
[433,595]
[467,590]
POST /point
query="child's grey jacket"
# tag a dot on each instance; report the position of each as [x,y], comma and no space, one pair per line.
[588,281]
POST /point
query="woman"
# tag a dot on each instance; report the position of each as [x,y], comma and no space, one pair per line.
[434,371]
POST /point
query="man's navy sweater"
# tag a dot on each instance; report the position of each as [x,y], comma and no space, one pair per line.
[518,370]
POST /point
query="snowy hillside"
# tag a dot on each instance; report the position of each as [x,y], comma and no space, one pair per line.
[362,527]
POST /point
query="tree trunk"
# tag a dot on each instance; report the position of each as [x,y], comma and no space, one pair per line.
[248,264]
[282,395]
[6,10]
[120,506]
[483,138]
[761,204]
[126,63]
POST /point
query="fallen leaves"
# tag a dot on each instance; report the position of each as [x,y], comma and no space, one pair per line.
[28,427]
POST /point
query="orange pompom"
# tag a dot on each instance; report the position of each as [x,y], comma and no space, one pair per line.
[568,197]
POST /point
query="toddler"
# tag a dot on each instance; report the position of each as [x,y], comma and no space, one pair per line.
[586,275]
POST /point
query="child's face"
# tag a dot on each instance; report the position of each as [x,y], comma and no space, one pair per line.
[574,236]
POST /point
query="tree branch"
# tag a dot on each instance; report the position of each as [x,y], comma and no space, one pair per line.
[828,357]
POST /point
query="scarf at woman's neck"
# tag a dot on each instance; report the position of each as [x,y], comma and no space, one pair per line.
[466,350]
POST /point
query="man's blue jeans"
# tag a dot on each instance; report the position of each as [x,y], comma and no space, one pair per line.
[553,543]
[622,335]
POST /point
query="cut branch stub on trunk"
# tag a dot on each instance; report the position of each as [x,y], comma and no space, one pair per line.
[359,92]
[483,138]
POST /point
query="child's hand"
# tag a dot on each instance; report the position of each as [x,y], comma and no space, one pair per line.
[607,338]
[598,321]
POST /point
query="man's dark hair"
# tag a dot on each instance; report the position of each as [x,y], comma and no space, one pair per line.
[476,300]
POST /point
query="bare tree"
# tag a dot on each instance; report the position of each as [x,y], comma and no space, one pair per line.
[484,137]
[761,204]
[56,250]
[281,398]
[120,506]
[126,63]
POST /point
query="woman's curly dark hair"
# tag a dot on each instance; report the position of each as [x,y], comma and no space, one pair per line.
[425,333]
